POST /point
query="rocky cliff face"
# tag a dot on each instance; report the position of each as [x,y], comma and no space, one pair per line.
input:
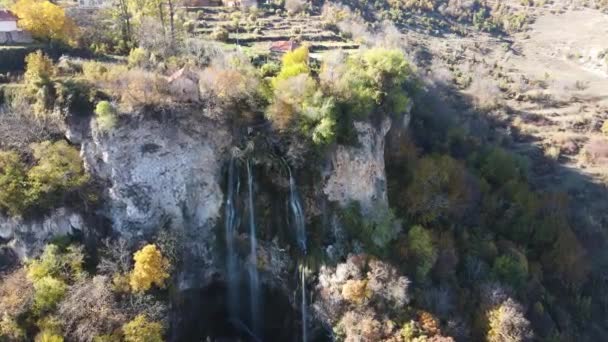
[26,238]
[159,173]
[163,174]
[357,172]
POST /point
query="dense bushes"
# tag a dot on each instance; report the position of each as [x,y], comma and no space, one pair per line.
[376,230]
[106,116]
[57,174]
[439,189]
[322,107]
[53,297]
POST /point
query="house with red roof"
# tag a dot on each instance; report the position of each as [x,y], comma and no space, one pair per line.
[280,47]
[9,31]
[8,21]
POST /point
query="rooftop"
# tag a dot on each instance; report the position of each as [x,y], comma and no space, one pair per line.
[6,15]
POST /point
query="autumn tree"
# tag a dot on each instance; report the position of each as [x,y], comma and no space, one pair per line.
[507,323]
[39,70]
[422,249]
[151,268]
[45,20]
[90,309]
[438,190]
[140,329]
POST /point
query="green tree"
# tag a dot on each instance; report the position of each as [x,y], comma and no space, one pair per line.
[421,247]
[66,264]
[39,70]
[375,79]
[59,170]
[106,116]
[48,291]
[293,63]
[140,329]
[511,269]
[12,183]
[439,188]
[499,167]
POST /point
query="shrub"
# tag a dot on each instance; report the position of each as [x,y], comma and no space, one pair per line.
[189,26]
[106,116]
[59,170]
[376,230]
[46,336]
[140,329]
[220,34]
[138,57]
[421,246]
[73,97]
[39,70]
[12,183]
[356,291]
[48,291]
[90,309]
[439,188]
[511,269]
[16,292]
[10,330]
[604,128]
[566,259]
[65,264]
[137,88]
[93,70]
[370,80]
[499,166]
[270,69]
[234,84]
[151,268]
[293,63]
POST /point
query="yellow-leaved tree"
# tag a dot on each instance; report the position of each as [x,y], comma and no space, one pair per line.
[45,20]
[151,268]
[140,329]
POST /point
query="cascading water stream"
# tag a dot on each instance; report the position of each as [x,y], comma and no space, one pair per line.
[298,214]
[300,223]
[231,223]
[254,281]
[303,306]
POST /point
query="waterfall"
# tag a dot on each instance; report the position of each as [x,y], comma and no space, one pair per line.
[300,223]
[303,307]
[298,214]
[231,222]
[254,281]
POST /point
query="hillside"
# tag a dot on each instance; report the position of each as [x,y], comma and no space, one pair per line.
[399,171]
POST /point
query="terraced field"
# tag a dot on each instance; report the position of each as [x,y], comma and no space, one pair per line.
[260,29]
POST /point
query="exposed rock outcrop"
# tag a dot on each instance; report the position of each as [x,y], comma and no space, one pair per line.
[27,237]
[163,174]
[357,172]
